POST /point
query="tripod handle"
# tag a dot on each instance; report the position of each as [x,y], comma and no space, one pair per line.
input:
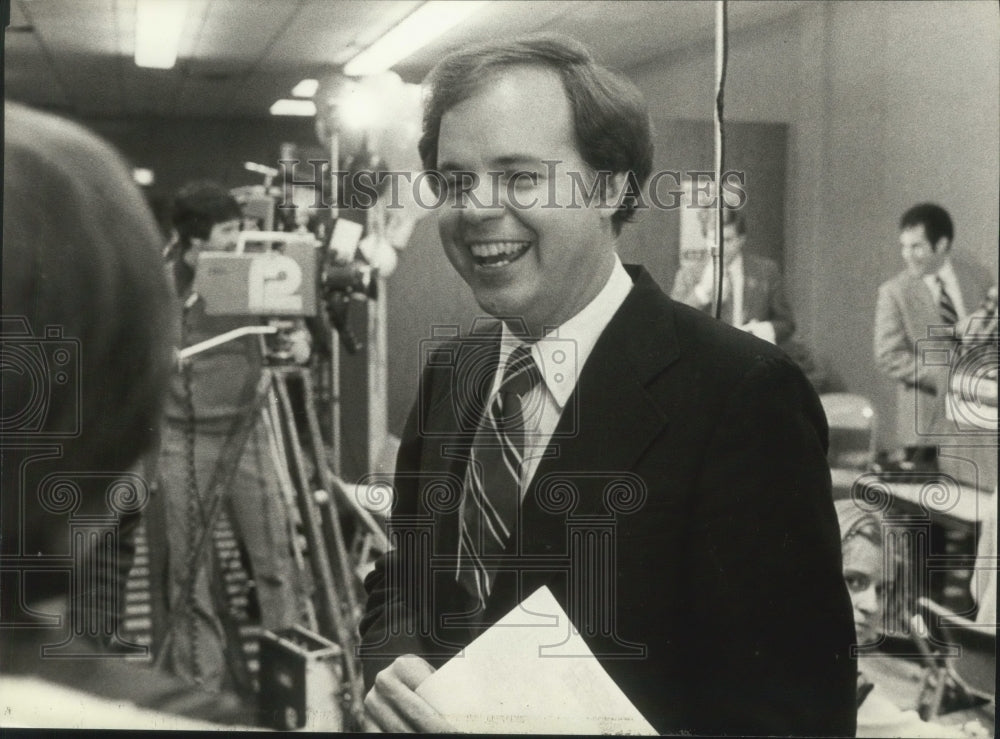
[236,333]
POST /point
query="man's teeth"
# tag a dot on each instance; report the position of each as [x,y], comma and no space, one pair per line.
[493,248]
[497,253]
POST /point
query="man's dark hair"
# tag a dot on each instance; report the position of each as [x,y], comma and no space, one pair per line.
[198,206]
[610,118]
[933,218]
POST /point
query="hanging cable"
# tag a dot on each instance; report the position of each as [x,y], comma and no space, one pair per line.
[721,59]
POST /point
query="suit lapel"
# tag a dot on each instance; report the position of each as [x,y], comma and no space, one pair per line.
[453,413]
[924,309]
[606,425]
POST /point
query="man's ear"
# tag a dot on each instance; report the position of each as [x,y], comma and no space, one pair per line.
[618,189]
[943,245]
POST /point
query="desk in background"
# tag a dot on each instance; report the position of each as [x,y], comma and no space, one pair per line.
[900,681]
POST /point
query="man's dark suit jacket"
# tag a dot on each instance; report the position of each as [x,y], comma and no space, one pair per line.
[703,449]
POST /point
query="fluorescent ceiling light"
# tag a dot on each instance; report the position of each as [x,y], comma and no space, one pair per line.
[305,89]
[418,29]
[287,106]
[158,26]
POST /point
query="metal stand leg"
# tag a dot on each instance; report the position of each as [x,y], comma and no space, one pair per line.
[333,596]
[337,609]
[276,444]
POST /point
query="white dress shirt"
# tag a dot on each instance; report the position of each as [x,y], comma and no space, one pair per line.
[560,356]
[947,275]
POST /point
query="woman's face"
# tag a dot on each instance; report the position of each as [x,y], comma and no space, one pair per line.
[864,574]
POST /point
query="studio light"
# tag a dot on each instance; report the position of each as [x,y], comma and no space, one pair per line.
[158,27]
[358,109]
[418,29]
[143,176]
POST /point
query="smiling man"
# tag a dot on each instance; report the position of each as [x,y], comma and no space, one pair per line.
[934,290]
[553,260]
[715,600]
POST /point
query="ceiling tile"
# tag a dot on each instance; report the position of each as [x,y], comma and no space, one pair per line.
[63,39]
[17,16]
[238,56]
[233,30]
[28,72]
[513,16]
[59,11]
[329,32]
[196,17]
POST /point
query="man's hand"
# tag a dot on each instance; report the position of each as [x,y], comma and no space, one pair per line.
[392,705]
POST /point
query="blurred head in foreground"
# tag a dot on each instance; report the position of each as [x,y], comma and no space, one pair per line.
[87,338]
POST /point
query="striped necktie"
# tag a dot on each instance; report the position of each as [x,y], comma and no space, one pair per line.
[491,491]
[946,305]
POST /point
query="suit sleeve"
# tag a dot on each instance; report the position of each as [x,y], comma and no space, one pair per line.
[895,350]
[398,610]
[770,618]
[389,615]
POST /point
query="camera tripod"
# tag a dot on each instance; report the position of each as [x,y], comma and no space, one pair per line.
[310,494]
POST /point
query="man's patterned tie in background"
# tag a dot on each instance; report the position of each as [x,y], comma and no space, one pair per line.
[491,493]
[945,304]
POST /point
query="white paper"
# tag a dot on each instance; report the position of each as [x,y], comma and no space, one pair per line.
[531,672]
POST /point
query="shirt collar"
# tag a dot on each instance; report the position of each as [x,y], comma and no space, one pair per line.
[562,352]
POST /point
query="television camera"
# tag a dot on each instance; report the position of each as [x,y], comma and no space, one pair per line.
[287,277]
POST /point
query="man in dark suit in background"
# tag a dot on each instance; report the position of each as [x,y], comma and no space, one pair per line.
[722,607]
[753,297]
[934,291]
